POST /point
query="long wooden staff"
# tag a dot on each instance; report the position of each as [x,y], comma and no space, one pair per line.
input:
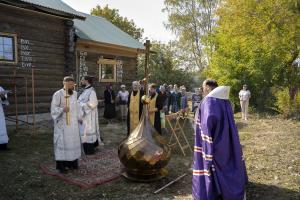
[67,105]
[170,183]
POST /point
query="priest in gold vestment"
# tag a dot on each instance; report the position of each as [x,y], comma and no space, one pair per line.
[135,107]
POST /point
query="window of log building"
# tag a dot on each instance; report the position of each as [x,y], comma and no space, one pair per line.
[8,48]
[107,70]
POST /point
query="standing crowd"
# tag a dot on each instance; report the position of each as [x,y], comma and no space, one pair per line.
[219,171]
[76,121]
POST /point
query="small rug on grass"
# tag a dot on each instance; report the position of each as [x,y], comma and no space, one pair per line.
[93,170]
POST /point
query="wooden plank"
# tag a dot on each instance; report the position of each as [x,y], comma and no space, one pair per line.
[29,16]
[40,56]
[44,73]
[39,62]
[47,59]
[39,91]
[42,66]
[46,44]
[38,99]
[43,51]
[40,83]
[94,46]
[106,51]
[29,33]
[40,108]
[45,41]
[34,31]
[51,73]
[31,20]
[45,28]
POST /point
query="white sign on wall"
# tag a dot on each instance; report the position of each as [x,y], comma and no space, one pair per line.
[25,54]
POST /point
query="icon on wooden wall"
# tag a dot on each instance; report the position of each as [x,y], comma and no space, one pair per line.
[107,70]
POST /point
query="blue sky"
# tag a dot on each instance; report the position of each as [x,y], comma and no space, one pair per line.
[146,14]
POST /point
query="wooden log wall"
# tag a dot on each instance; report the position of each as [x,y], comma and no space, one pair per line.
[41,43]
[129,70]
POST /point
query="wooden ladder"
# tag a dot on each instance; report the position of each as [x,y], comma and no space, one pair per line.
[178,133]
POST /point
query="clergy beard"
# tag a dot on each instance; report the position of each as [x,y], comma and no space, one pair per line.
[83,85]
[70,91]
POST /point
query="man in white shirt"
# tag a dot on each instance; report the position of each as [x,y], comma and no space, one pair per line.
[244,96]
[123,100]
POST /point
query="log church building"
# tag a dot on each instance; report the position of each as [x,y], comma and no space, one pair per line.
[41,41]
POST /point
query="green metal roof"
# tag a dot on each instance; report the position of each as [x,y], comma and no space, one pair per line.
[55,5]
[101,30]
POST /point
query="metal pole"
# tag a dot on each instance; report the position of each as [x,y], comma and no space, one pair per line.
[33,99]
[16,99]
[26,97]
[77,71]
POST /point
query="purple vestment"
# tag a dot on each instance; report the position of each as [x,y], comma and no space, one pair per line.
[219,168]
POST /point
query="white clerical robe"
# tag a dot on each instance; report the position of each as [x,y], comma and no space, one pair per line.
[67,145]
[3,131]
[88,113]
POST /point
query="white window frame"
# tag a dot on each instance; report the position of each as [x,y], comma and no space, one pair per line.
[112,62]
[15,50]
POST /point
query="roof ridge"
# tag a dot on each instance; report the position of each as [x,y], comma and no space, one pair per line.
[109,22]
[71,12]
[100,29]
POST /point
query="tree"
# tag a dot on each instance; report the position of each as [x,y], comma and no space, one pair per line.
[163,67]
[123,23]
[256,43]
[192,22]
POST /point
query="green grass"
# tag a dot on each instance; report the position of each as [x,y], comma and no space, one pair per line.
[271,147]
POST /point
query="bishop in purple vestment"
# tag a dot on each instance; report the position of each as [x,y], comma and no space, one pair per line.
[219,170]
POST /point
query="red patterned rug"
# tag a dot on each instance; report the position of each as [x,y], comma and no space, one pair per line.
[93,170]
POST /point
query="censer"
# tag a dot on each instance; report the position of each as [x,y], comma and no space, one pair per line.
[145,153]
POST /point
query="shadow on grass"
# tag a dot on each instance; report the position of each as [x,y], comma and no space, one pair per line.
[241,125]
[256,191]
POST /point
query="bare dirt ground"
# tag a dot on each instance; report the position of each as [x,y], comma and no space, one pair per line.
[271,146]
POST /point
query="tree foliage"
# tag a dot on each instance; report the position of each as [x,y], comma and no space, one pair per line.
[123,23]
[163,67]
[287,106]
[192,22]
[256,43]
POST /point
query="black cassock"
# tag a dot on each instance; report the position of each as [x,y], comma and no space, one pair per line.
[110,109]
[161,98]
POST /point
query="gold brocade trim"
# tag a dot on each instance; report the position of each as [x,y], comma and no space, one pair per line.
[198,149]
[134,110]
[201,173]
[152,107]
[205,156]
[206,138]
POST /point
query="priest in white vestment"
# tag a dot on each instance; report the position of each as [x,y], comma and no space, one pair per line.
[67,146]
[3,131]
[88,117]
